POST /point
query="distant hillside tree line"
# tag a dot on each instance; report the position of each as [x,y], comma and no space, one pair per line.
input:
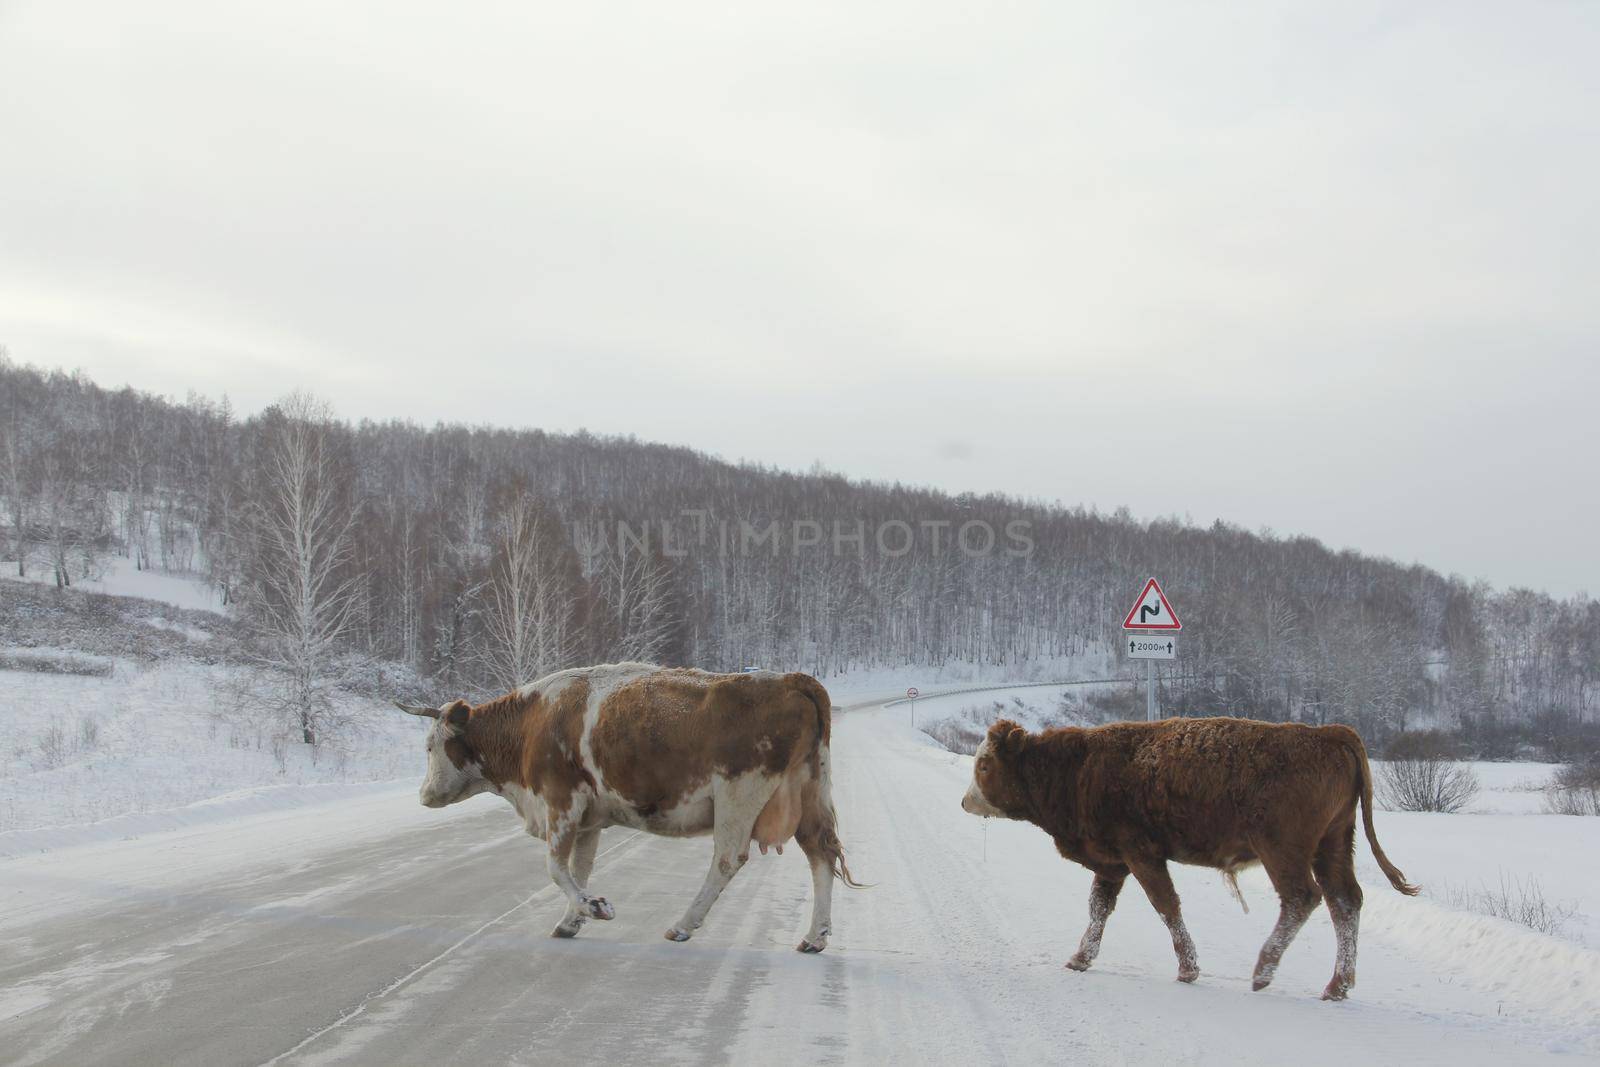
[483,557]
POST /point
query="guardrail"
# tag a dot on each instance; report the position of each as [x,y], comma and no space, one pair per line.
[1009,685]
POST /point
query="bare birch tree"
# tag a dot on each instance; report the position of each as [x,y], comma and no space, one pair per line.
[303,596]
[531,597]
[14,472]
[637,589]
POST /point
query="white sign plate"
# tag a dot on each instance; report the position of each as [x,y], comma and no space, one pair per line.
[1151,646]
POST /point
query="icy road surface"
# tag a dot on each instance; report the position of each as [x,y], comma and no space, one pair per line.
[373,931]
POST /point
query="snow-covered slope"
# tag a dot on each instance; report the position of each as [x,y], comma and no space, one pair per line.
[117,576]
[152,737]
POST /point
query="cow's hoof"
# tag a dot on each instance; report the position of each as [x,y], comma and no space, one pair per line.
[1078,963]
[811,947]
[1336,991]
[676,934]
[568,929]
[1258,984]
[1188,976]
[600,909]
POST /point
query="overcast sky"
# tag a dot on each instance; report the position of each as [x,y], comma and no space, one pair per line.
[1326,268]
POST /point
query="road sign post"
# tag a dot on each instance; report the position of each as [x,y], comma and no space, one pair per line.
[1151,630]
[911,695]
[1150,691]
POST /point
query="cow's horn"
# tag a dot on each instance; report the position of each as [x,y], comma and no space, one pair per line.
[415,709]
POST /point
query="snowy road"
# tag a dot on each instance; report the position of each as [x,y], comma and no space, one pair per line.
[376,933]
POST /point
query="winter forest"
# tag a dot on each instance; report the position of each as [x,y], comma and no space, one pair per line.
[471,559]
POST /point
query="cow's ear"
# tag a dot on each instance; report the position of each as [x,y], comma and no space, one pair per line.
[1006,736]
[456,714]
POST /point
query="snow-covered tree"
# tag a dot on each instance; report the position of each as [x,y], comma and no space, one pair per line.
[531,598]
[302,597]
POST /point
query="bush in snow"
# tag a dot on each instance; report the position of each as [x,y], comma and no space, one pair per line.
[1516,901]
[41,661]
[56,745]
[53,747]
[965,730]
[1117,704]
[1420,772]
[1575,789]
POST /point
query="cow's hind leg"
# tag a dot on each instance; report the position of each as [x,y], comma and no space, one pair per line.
[584,847]
[1157,885]
[818,837]
[1289,867]
[821,861]
[1102,899]
[1335,869]
[736,803]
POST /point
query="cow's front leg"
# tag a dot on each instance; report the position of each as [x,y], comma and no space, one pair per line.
[1157,884]
[564,834]
[735,805]
[584,847]
[1102,900]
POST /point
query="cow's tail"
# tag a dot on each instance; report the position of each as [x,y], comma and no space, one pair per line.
[820,822]
[1364,771]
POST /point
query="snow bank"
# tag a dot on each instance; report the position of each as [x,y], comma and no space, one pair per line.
[220,809]
[1528,976]
[149,739]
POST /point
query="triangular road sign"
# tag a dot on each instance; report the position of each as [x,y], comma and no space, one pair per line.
[1151,611]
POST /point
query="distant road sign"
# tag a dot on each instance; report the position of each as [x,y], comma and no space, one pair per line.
[913,693]
[1151,611]
[1152,646]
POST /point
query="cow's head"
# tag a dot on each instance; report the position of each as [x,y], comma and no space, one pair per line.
[454,772]
[996,787]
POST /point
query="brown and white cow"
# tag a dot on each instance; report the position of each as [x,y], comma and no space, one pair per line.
[678,752]
[1223,793]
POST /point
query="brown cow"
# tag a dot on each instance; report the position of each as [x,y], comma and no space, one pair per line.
[671,751]
[1221,793]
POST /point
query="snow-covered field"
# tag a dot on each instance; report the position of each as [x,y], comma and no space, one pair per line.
[145,740]
[117,576]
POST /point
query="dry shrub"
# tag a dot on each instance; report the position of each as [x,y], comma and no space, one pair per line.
[965,730]
[1575,789]
[1514,900]
[1420,772]
[53,747]
[53,662]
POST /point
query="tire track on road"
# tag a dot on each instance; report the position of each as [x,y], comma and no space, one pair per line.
[399,983]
